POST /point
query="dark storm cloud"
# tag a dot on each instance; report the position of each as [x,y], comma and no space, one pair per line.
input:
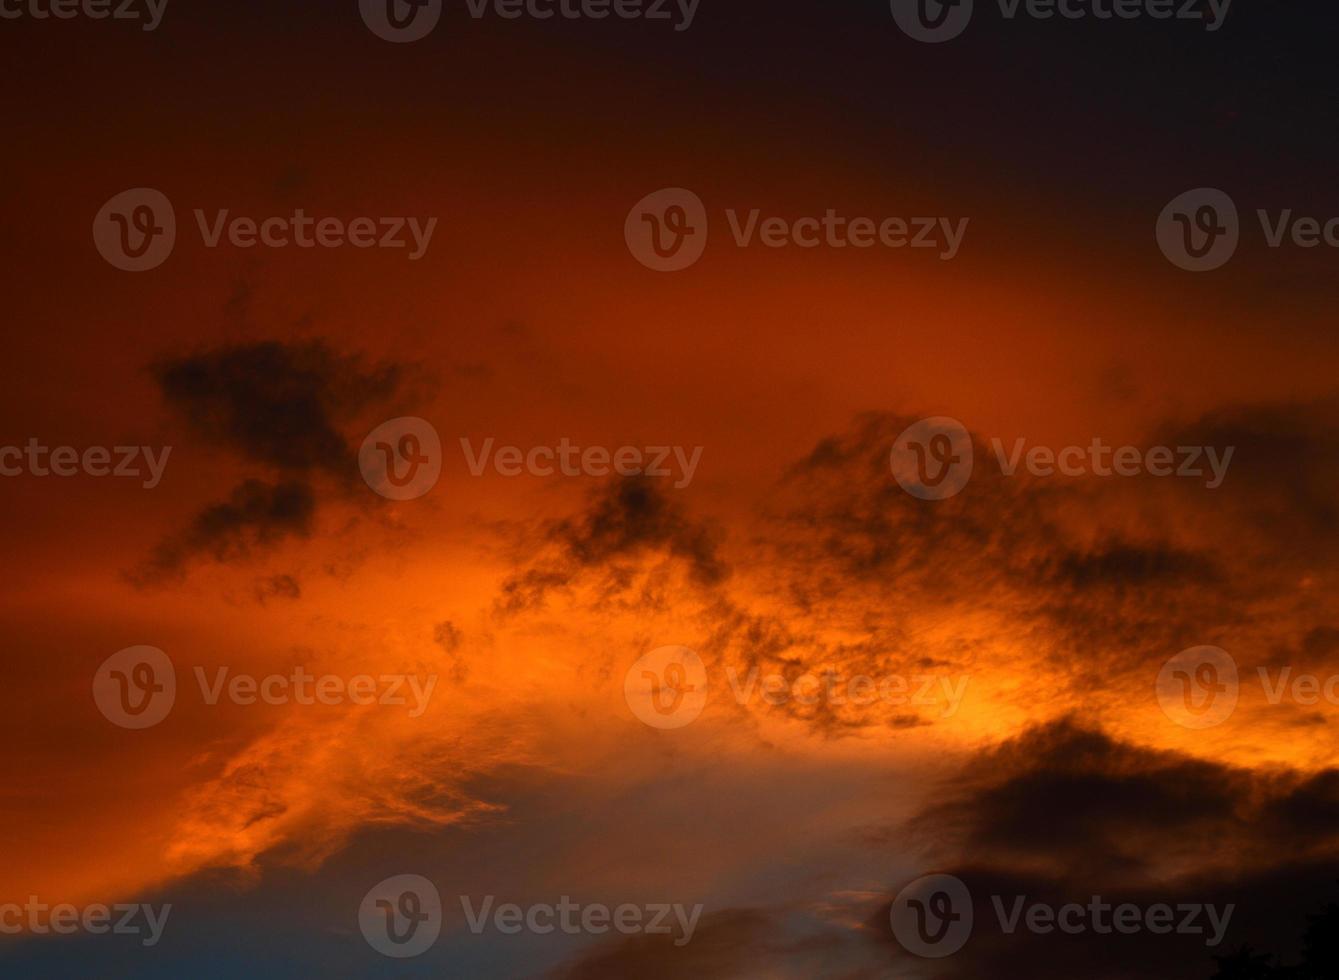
[850,517]
[1122,570]
[1269,909]
[1122,565]
[754,645]
[1315,651]
[1094,580]
[1013,554]
[1064,813]
[627,519]
[1074,799]
[277,404]
[256,515]
[635,514]
[1284,476]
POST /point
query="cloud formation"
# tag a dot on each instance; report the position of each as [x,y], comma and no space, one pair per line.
[284,407]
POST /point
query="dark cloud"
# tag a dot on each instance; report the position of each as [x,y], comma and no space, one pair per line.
[1122,565]
[278,404]
[1093,581]
[278,587]
[848,518]
[1284,474]
[1269,909]
[626,520]
[256,515]
[1065,813]
[1098,577]
[1073,799]
[448,636]
[635,514]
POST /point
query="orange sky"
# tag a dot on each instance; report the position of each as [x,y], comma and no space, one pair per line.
[528,321]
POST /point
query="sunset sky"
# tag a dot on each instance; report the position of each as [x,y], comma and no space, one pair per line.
[1036,610]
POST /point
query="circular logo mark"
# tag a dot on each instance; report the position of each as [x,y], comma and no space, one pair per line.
[932,917]
[932,21]
[1199,230]
[667,231]
[136,230]
[1199,687]
[667,688]
[401,459]
[135,687]
[933,459]
[401,916]
[401,21]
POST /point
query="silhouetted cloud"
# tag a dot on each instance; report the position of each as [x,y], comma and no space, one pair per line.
[1064,813]
[626,519]
[256,515]
[278,587]
[276,403]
